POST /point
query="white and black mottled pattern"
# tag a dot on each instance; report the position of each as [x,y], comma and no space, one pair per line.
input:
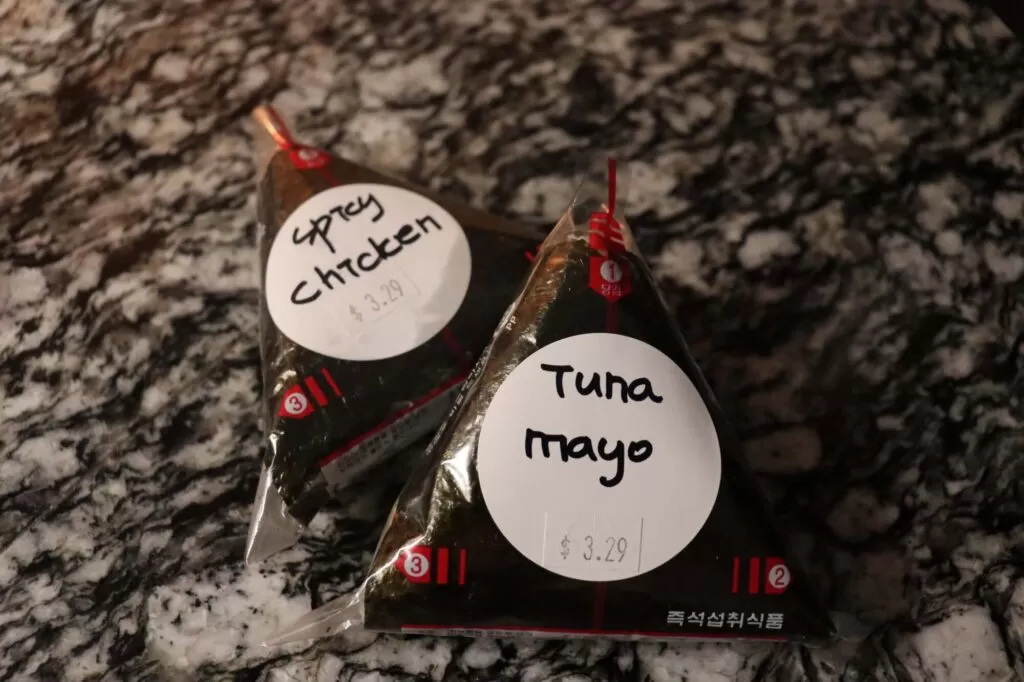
[832,192]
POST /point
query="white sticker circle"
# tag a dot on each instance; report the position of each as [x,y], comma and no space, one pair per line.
[633,461]
[366,272]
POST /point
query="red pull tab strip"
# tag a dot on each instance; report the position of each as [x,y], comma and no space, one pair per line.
[605,231]
[612,175]
[275,127]
[302,157]
[610,273]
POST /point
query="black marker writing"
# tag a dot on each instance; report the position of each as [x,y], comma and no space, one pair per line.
[297,300]
[352,267]
[582,447]
[636,390]
[320,226]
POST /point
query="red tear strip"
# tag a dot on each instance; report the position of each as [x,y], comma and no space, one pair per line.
[330,381]
[612,174]
[612,322]
[275,127]
[314,389]
[442,566]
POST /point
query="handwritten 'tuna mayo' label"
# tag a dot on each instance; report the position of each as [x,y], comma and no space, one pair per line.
[366,272]
[614,449]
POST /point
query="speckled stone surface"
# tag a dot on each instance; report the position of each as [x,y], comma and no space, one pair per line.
[832,193]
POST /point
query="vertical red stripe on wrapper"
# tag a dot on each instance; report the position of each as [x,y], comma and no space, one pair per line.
[330,381]
[735,575]
[612,320]
[442,566]
[314,389]
[754,583]
[612,168]
[462,567]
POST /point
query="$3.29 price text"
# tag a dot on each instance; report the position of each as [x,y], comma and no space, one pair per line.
[376,303]
[612,549]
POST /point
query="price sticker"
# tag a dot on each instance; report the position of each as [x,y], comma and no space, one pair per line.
[601,547]
[366,272]
[378,298]
[613,447]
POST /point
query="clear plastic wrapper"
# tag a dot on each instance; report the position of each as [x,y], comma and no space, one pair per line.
[586,484]
[376,299]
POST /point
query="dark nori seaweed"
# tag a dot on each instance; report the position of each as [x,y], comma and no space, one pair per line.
[497,589]
[372,393]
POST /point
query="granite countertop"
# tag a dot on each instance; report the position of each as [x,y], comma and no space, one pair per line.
[832,194]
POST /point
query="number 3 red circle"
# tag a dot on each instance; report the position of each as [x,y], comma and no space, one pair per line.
[416,565]
[295,403]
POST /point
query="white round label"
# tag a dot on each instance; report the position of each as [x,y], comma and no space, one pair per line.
[366,272]
[598,459]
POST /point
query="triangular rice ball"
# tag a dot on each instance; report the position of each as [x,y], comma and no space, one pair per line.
[586,483]
[376,298]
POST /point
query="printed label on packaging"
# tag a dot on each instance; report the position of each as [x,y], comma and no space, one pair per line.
[726,620]
[614,448]
[366,272]
[389,438]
